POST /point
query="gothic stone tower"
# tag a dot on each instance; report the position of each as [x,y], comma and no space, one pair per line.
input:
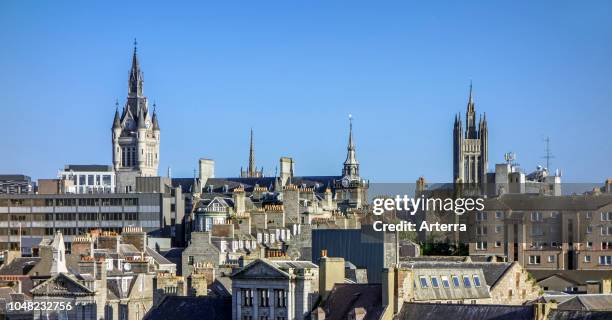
[251,171]
[135,134]
[470,147]
[351,189]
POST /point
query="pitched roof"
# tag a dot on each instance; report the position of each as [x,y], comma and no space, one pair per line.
[493,271]
[589,302]
[210,308]
[433,311]
[19,266]
[579,315]
[61,284]
[345,297]
[576,276]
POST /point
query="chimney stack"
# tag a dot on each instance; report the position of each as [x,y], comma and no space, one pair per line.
[331,271]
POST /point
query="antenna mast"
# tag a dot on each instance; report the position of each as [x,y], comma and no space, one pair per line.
[548,153]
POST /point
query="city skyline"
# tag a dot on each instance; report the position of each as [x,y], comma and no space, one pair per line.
[209,94]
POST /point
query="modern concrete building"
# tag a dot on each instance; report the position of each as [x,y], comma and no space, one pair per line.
[88,178]
[15,184]
[27,218]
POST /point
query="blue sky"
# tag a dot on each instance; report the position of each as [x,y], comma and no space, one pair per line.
[294,70]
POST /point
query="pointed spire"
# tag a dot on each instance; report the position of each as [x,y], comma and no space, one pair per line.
[117,120]
[351,165]
[471,99]
[351,145]
[136,78]
[154,119]
[251,169]
[141,121]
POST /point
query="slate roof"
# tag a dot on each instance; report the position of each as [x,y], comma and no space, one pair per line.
[345,297]
[579,315]
[188,308]
[493,271]
[580,277]
[547,203]
[157,257]
[433,311]
[320,183]
[589,302]
[19,266]
[61,284]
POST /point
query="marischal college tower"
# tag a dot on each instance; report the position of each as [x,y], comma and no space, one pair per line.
[135,134]
[470,147]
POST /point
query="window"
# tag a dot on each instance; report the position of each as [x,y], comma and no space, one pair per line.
[264,298]
[534,259]
[605,260]
[445,282]
[498,244]
[476,281]
[589,244]
[551,259]
[190,260]
[589,215]
[423,281]
[499,215]
[554,215]
[604,230]
[455,281]
[606,216]
[466,282]
[281,298]
[434,282]
[481,216]
[536,216]
[481,230]
[605,245]
[499,228]
[247,297]
[589,229]
[587,259]
[481,245]
[537,230]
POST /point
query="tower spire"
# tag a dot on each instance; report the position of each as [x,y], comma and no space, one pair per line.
[471,99]
[470,117]
[136,78]
[351,165]
[251,167]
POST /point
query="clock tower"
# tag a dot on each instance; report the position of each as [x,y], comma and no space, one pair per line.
[135,134]
[351,189]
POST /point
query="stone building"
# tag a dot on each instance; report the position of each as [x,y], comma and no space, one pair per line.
[135,134]
[274,289]
[470,147]
[545,232]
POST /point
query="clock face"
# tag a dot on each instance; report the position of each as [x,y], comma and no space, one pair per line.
[345,182]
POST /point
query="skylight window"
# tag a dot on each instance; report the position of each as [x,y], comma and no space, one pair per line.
[423,282]
[434,282]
